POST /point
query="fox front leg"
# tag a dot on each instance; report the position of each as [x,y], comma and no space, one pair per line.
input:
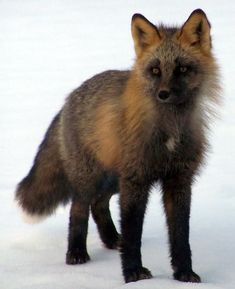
[177,199]
[133,201]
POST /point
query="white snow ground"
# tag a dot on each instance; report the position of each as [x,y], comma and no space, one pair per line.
[49,47]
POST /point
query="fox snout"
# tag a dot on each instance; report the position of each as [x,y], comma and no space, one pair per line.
[175,97]
[164,95]
[169,97]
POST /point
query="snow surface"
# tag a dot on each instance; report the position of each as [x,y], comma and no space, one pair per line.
[48,48]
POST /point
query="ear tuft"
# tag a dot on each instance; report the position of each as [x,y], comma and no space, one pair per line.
[144,33]
[198,11]
[196,31]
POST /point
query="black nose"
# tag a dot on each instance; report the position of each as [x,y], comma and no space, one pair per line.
[163,94]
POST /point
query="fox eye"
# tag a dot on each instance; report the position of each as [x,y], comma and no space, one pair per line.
[183,69]
[156,71]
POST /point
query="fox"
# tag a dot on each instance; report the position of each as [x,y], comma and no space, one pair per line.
[125,131]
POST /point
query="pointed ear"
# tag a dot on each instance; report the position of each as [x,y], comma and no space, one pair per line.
[144,33]
[196,31]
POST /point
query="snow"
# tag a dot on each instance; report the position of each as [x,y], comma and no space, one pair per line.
[48,48]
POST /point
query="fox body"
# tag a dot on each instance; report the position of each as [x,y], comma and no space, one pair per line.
[123,131]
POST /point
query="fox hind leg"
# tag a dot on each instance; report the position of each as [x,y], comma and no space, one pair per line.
[102,217]
[78,225]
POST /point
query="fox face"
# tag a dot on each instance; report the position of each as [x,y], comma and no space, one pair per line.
[172,63]
[175,80]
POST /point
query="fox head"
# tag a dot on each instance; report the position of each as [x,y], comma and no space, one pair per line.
[173,64]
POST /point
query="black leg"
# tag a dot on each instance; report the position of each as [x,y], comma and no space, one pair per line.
[77,250]
[101,214]
[177,199]
[133,200]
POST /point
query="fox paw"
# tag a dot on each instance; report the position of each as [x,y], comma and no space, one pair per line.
[76,257]
[187,276]
[113,243]
[132,275]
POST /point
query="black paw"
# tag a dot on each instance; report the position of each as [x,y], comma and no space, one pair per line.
[76,257]
[113,243]
[187,276]
[132,275]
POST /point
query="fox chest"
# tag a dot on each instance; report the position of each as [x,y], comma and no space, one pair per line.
[169,154]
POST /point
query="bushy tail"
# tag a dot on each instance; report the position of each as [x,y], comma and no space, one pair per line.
[46,185]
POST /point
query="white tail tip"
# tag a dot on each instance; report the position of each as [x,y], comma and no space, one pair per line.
[30,218]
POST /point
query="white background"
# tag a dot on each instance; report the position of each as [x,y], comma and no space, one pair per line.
[47,48]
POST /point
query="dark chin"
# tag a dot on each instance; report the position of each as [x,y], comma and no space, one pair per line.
[180,100]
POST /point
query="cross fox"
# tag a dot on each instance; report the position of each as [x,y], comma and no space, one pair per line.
[123,131]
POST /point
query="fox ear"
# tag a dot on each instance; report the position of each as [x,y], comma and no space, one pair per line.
[144,33]
[196,31]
